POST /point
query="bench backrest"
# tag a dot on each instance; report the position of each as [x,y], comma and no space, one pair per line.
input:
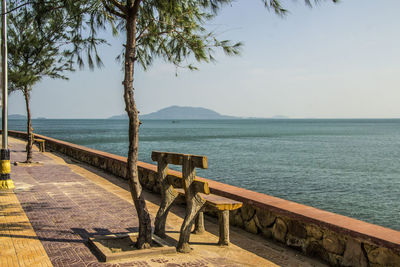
[188,162]
[200,186]
[178,158]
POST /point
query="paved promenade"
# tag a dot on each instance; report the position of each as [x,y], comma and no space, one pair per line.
[58,205]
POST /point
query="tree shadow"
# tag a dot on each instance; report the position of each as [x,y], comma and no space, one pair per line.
[11,213]
[14,226]
[32,206]
[5,207]
[8,206]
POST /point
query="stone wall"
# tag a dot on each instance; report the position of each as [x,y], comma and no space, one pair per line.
[336,239]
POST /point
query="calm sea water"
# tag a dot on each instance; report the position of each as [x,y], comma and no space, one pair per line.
[350,167]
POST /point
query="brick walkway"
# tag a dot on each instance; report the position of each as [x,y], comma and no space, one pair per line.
[67,204]
[65,209]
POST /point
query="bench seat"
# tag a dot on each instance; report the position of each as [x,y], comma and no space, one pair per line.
[223,205]
[41,143]
[215,201]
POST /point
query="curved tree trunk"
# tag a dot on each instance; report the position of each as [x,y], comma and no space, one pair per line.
[145,235]
[28,126]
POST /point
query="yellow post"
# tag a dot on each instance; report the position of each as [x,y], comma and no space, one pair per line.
[5,166]
[5,169]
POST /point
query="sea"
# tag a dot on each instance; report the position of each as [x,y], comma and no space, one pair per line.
[346,166]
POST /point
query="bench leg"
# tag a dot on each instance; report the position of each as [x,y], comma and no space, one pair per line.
[168,197]
[199,223]
[193,207]
[41,147]
[223,220]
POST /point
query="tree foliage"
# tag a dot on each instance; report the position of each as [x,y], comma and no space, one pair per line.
[171,30]
[35,49]
[38,47]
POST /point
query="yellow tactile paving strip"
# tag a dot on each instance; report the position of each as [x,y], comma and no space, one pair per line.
[19,245]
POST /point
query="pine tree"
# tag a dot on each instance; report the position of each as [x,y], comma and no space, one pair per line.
[39,47]
[171,30]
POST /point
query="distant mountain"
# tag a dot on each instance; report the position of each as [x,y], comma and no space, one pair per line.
[280,117]
[180,113]
[15,116]
[119,117]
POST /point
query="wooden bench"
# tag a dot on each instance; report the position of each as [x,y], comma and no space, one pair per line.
[41,143]
[196,193]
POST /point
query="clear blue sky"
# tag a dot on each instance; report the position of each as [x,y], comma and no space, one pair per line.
[331,61]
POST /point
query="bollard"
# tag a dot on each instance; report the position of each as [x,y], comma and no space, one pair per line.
[5,169]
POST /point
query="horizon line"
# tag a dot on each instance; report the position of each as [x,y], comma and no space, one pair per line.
[237,118]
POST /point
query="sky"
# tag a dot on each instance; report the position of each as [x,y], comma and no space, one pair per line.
[330,61]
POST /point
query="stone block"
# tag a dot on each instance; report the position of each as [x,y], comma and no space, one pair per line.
[315,249]
[156,188]
[180,200]
[354,254]
[314,231]
[267,232]
[247,212]
[332,243]
[335,260]
[297,229]
[295,242]
[210,211]
[237,220]
[232,215]
[279,230]
[368,247]
[151,180]
[384,257]
[264,218]
[144,179]
[124,173]
[251,226]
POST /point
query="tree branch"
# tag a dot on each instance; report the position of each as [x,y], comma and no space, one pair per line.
[158,33]
[142,33]
[119,5]
[113,11]
[22,5]
[136,6]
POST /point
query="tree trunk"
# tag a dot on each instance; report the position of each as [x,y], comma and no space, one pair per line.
[145,235]
[28,126]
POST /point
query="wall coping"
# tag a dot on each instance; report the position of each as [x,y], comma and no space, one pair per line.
[345,225]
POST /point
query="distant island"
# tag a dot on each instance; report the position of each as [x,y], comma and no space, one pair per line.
[15,116]
[280,117]
[180,113]
[21,117]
